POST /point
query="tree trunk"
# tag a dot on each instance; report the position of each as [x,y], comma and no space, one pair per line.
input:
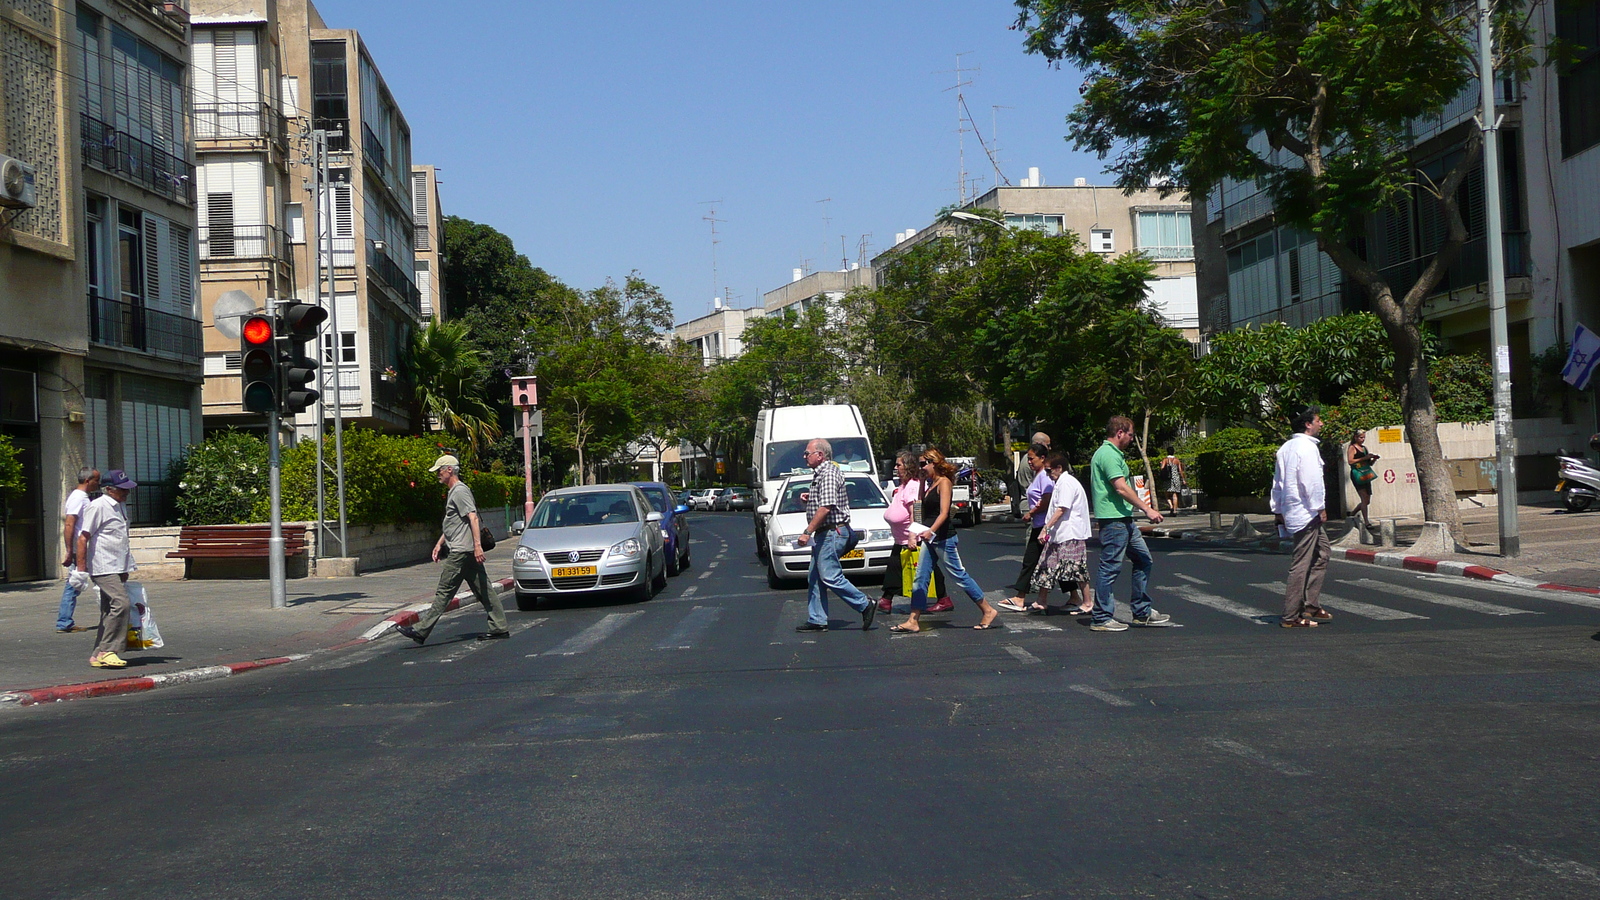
[1144,454]
[1422,430]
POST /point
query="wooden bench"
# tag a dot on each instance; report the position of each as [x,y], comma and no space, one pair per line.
[207,548]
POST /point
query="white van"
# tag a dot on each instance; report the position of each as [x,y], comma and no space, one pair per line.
[780,442]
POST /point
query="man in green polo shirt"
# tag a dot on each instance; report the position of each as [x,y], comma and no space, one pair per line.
[1113,501]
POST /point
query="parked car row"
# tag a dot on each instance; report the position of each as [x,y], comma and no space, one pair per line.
[720,499]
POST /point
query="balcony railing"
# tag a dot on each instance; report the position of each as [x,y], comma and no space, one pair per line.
[390,275]
[132,327]
[1471,267]
[1168,254]
[372,149]
[243,242]
[231,121]
[121,153]
[339,143]
[387,390]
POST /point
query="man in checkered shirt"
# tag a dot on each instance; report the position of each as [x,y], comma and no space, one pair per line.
[829,534]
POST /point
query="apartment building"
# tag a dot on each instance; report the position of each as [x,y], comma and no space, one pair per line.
[1261,271]
[428,222]
[1106,221]
[807,290]
[44,325]
[331,77]
[719,335]
[247,228]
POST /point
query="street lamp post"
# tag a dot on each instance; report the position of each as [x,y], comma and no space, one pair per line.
[1504,432]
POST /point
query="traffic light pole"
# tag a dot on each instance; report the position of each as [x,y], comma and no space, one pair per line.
[275,564]
[327,217]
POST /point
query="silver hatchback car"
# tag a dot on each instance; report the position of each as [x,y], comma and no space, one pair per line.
[590,539]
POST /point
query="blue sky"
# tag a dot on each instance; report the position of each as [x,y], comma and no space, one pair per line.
[593,133]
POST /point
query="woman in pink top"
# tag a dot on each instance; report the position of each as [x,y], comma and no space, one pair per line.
[899,518]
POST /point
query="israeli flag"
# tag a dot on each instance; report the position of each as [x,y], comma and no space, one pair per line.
[1581,361]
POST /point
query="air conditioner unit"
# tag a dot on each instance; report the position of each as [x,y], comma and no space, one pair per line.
[16,184]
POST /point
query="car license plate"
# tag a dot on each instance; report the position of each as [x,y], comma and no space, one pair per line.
[855,554]
[571,571]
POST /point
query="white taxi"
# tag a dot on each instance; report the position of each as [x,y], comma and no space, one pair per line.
[786,519]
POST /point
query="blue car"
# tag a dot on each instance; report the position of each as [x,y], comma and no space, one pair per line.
[674,523]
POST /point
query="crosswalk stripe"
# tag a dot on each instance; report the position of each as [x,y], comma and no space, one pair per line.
[1222,604]
[1576,599]
[1009,557]
[1022,656]
[791,614]
[1353,607]
[595,633]
[1191,579]
[1477,606]
[1029,623]
[689,630]
[1102,696]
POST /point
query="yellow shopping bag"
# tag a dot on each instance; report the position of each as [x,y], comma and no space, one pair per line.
[908,568]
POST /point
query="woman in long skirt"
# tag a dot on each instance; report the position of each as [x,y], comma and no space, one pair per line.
[1038,495]
[1065,537]
[938,540]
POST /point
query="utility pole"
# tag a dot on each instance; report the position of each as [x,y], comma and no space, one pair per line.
[326,215]
[314,260]
[1505,441]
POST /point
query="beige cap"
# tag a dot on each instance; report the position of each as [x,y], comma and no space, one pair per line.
[445,460]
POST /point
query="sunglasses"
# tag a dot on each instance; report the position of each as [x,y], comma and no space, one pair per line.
[924,462]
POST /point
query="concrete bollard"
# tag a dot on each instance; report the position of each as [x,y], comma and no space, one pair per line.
[1242,529]
[1216,519]
[1386,530]
[1435,540]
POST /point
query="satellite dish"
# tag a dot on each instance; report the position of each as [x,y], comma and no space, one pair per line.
[227,311]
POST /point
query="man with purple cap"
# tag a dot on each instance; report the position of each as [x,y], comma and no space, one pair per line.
[105,557]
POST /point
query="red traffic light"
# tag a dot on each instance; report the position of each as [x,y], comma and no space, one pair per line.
[257,330]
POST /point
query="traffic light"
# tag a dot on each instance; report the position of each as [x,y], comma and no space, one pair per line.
[297,324]
[258,367]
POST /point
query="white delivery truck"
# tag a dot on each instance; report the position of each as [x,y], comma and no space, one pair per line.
[780,442]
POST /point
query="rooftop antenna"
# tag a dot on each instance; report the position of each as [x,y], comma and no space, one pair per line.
[963,121]
[711,216]
[994,137]
[861,249]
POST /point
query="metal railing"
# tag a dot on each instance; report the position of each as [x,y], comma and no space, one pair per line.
[389,274]
[372,149]
[242,242]
[234,120]
[121,153]
[388,390]
[1162,254]
[1471,267]
[339,143]
[114,323]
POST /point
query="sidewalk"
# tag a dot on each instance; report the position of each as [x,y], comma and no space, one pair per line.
[1558,547]
[210,623]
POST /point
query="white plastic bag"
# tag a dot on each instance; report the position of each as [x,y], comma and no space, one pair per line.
[140,617]
[79,578]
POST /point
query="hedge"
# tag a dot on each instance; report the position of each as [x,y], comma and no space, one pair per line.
[1241,472]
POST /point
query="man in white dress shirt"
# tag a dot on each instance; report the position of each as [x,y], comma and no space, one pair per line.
[1299,500]
[106,557]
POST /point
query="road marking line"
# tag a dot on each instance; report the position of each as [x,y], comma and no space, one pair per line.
[1353,607]
[1212,555]
[1220,604]
[594,634]
[1102,696]
[713,564]
[1576,599]
[690,590]
[1030,624]
[706,574]
[1555,865]
[790,614]
[689,630]
[1023,656]
[1477,606]
[1191,579]
[1256,756]
[1009,557]
[925,632]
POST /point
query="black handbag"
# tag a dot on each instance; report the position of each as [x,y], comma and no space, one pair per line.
[486,539]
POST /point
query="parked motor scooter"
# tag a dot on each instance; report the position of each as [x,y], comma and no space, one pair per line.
[1579,484]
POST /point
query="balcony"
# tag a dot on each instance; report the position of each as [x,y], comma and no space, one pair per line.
[337,143]
[391,276]
[1471,267]
[130,327]
[144,164]
[243,242]
[372,149]
[239,121]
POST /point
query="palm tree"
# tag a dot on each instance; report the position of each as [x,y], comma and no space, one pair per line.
[448,376]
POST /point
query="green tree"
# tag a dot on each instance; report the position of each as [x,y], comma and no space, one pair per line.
[11,477]
[1178,90]
[448,375]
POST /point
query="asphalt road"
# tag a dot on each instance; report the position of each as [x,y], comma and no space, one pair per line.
[1438,739]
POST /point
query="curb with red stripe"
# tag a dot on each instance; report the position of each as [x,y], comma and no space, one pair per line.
[1393,560]
[142,683]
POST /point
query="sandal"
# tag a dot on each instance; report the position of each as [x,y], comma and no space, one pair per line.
[985,626]
[1038,609]
[1299,623]
[1319,614]
[901,629]
[1012,605]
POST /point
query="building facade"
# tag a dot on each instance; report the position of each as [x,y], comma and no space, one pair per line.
[805,291]
[428,221]
[716,336]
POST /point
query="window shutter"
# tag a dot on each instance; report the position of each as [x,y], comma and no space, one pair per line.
[182,268]
[343,212]
[291,97]
[219,224]
[151,239]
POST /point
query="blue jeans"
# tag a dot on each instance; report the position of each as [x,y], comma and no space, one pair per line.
[950,558]
[1119,537]
[69,604]
[826,572]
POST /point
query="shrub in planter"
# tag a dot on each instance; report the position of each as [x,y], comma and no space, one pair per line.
[1242,472]
[223,480]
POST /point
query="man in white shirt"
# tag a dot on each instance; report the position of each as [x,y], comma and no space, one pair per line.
[71,516]
[1299,500]
[105,555]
